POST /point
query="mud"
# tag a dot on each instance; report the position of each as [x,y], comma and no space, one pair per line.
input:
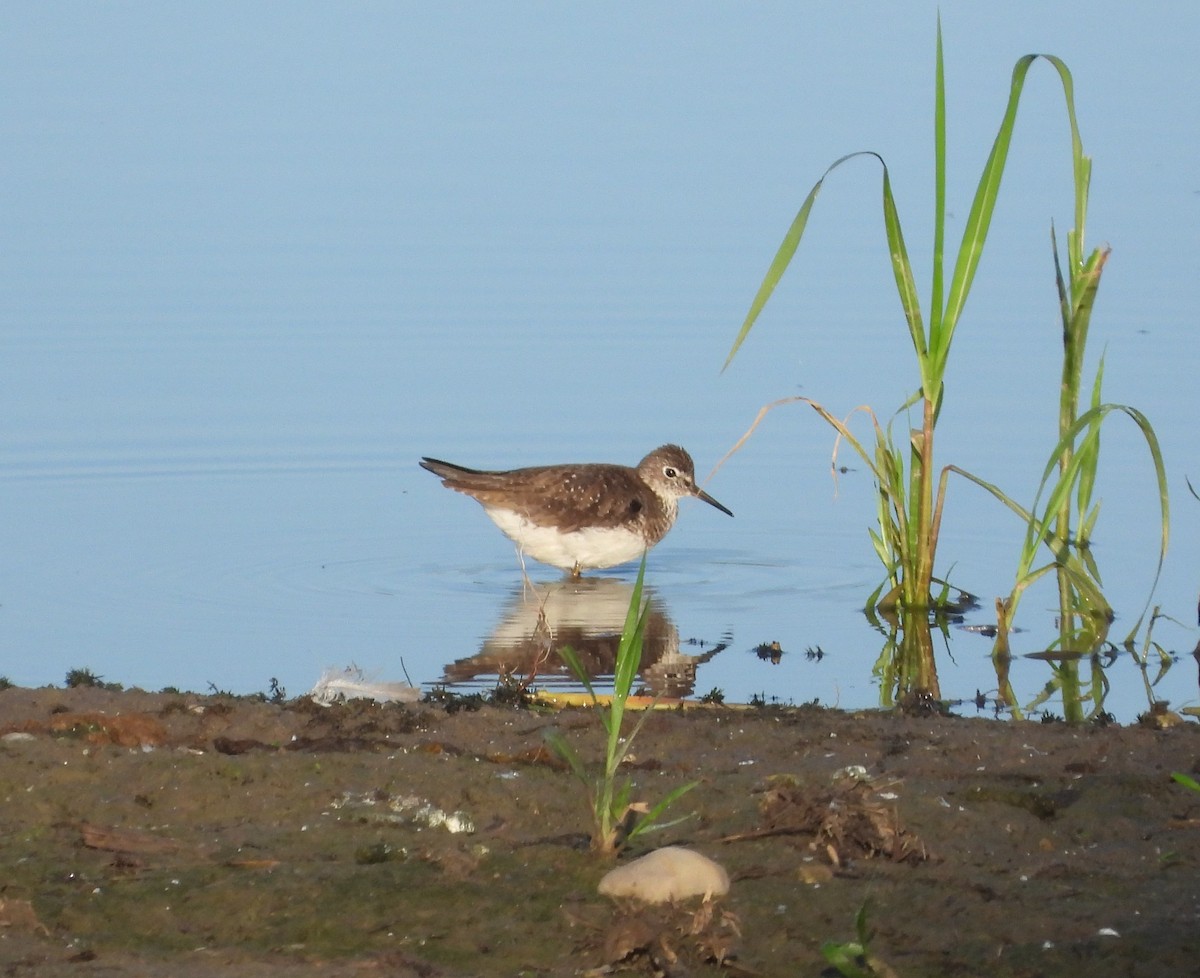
[186,835]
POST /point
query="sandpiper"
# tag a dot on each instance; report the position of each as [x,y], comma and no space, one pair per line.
[579,517]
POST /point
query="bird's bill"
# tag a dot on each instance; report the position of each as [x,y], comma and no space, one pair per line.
[701,494]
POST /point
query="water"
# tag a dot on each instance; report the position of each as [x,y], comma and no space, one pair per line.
[256,265]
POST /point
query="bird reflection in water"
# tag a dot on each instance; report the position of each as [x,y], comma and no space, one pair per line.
[586,615]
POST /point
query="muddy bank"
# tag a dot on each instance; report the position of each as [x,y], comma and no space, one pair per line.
[157,834]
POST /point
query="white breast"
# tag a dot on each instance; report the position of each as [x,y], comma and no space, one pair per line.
[583,548]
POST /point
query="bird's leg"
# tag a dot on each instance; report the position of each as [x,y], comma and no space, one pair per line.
[526,584]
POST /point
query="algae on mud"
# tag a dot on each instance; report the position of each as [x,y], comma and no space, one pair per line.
[183,860]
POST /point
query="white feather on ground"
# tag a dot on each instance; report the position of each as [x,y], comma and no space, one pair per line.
[339,685]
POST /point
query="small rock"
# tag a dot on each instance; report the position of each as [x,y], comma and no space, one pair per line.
[814,874]
[665,875]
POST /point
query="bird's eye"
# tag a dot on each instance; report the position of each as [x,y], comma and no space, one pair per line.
[670,472]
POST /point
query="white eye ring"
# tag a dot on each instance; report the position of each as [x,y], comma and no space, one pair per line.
[669,472]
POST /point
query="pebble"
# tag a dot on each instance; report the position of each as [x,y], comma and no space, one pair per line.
[665,875]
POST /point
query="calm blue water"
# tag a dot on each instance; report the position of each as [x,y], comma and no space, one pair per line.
[259,259]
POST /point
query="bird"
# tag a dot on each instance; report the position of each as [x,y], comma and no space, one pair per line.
[585,516]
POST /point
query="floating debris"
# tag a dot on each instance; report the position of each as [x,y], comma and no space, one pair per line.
[770,652]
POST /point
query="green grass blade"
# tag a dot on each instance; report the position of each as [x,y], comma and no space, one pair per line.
[1087,525]
[1185,780]
[783,256]
[978,221]
[845,958]
[558,743]
[1064,296]
[652,820]
[779,264]
[575,665]
[1060,483]
[1089,449]
[629,660]
[906,287]
[937,292]
[995,490]
[1082,167]
[1089,563]
[629,651]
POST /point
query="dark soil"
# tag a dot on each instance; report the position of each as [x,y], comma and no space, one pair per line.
[183,835]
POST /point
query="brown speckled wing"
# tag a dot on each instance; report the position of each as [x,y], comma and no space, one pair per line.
[566,497]
[599,496]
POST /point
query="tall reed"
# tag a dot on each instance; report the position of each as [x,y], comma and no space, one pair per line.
[910,496]
[1065,522]
[910,513]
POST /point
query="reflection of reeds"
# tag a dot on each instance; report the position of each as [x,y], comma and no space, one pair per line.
[909,510]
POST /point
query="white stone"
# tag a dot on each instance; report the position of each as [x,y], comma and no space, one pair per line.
[665,875]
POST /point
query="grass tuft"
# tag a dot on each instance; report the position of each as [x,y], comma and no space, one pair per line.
[616,819]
